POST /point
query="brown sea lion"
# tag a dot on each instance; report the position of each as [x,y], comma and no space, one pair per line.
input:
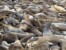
[16,46]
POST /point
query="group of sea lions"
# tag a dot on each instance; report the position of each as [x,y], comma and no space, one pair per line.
[32,25]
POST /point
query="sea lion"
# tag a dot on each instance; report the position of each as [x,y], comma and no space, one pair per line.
[36,31]
[43,46]
[26,38]
[59,9]
[11,21]
[10,37]
[16,46]
[51,38]
[60,26]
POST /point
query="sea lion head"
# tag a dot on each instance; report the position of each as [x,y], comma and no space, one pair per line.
[16,46]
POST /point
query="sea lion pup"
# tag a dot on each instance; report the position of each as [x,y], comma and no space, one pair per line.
[16,46]
[43,46]
[10,28]
[36,31]
[24,1]
[20,35]
[9,37]
[11,21]
[5,13]
[38,1]
[60,26]
[59,9]
[33,9]
[18,16]
[25,39]
[24,25]
[51,38]
[32,39]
